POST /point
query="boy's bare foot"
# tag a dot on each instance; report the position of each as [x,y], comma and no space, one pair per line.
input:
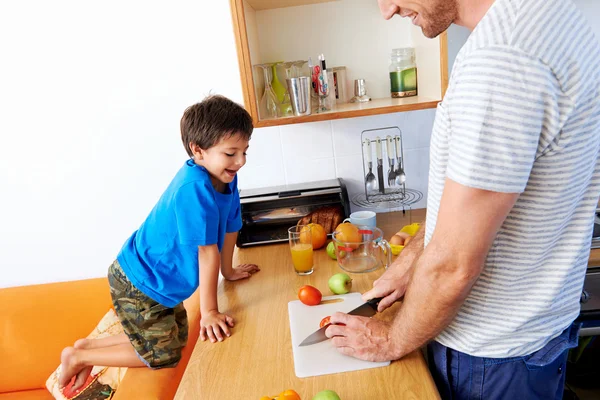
[70,368]
[81,344]
[85,372]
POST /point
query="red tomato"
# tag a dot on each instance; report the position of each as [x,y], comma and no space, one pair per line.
[309,295]
[327,321]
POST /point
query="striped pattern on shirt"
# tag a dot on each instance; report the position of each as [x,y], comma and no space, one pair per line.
[522,115]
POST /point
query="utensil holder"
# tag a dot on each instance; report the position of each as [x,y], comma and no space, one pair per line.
[390,193]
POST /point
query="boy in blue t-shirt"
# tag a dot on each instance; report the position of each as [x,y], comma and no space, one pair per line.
[189,234]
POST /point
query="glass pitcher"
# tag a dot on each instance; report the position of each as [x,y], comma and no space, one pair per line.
[367,254]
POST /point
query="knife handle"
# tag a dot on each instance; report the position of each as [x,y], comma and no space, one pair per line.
[374,303]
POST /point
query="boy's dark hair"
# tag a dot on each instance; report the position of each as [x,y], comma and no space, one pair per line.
[214,118]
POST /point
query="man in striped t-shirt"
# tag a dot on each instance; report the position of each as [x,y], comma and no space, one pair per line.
[514,181]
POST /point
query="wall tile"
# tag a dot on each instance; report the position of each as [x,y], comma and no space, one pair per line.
[260,176]
[416,167]
[416,130]
[309,140]
[264,166]
[350,169]
[299,169]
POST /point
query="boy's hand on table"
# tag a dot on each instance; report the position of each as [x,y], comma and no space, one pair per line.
[215,326]
[242,271]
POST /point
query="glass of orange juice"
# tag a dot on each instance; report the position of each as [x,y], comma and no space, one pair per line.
[301,248]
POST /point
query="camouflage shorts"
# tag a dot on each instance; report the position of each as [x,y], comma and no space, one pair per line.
[157,333]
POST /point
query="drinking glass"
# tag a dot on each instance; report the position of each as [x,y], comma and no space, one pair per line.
[301,249]
[268,103]
[297,68]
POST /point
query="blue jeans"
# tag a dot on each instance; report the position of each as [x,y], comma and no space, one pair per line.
[540,375]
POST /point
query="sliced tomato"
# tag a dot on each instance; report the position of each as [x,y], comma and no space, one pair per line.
[327,321]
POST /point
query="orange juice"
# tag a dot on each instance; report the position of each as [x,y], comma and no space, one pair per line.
[302,257]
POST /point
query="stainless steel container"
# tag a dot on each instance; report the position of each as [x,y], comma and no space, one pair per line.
[299,89]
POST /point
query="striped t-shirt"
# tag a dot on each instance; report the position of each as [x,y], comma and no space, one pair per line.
[522,115]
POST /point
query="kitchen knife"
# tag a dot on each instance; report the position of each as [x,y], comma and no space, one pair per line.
[366,310]
[379,164]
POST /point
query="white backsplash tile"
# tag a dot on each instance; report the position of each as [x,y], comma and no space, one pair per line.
[264,166]
[416,168]
[259,176]
[417,128]
[347,132]
[263,144]
[299,169]
[350,169]
[310,140]
[325,150]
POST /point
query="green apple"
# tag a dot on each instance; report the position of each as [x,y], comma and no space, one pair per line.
[340,283]
[326,395]
[331,250]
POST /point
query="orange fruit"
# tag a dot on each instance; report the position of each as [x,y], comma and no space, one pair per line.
[348,233]
[317,233]
[289,395]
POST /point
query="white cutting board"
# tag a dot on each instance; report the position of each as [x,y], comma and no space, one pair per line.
[322,358]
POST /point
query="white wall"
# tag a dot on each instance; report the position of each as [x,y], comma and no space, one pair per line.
[90,101]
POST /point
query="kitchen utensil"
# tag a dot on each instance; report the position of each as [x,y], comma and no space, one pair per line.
[389,144]
[360,92]
[322,358]
[299,90]
[379,164]
[400,175]
[365,310]
[370,183]
[301,249]
[367,254]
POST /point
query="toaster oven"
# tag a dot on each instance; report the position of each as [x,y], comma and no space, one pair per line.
[267,213]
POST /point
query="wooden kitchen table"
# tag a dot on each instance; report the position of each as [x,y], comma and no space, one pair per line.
[257,359]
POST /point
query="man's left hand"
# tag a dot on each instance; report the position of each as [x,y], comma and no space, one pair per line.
[363,338]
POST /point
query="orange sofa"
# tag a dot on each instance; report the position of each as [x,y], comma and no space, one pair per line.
[38,321]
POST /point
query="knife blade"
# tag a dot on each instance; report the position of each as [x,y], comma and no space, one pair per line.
[367,309]
[379,165]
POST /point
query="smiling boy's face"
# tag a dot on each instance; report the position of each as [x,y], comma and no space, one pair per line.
[433,16]
[223,160]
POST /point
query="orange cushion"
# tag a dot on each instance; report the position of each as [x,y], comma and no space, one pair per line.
[38,321]
[40,394]
[161,384]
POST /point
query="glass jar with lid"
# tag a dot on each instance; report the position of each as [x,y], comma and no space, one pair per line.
[403,72]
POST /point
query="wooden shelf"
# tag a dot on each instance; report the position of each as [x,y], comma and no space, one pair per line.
[352,110]
[260,5]
[267,30]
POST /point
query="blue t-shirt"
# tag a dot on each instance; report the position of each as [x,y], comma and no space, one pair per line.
[161,257]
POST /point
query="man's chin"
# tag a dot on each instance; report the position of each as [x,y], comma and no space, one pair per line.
[431,33]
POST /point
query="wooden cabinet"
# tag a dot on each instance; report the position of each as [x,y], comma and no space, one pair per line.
[351,33]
